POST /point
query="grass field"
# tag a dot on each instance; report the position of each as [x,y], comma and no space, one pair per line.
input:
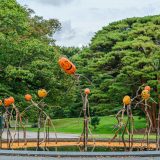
[106,126]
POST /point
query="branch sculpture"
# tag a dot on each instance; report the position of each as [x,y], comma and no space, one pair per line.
[48,121]
[70,69]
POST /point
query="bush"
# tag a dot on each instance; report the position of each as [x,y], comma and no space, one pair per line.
[95,121]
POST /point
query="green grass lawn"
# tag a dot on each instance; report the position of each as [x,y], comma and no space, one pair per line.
[106,126]
[104,129]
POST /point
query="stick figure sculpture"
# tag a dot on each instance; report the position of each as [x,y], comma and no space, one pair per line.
[86,130]
[70,69]
[18,123]
[9,105]
[42,93]
[122,125]
[7,119]
[145,95]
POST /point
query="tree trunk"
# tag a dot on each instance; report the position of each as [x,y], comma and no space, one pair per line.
[152,113]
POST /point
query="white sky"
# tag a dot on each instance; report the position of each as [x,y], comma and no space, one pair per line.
[80,19]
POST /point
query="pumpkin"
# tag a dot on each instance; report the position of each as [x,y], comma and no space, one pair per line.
[67,65]
[42,93]
[11,100]
[7,102]
[147,88]
[28,97]
[145,94]
[87,91]
[127,100]
[1,103]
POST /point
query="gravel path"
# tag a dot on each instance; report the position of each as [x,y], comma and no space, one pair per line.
[34,135]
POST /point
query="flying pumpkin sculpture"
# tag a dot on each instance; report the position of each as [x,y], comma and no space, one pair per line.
[70,69]
[67,65]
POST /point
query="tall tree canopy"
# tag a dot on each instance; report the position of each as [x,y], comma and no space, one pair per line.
[121,58]
[28,56]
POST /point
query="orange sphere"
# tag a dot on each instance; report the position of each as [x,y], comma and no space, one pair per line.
[42,93]
[145,94]
[28,97]
[147,88]
[87,91]
[127,100]
[11,100]
[7,102]
[67,65]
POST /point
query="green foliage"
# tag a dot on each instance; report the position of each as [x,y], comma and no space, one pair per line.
[95,121]
[28,58]
[120,58]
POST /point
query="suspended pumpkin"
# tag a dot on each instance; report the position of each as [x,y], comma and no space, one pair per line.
[147,88]
[28,97]
[87,91]
[1,103]
[11,100]
[42,93]
[145,94]
[7,102]
[67,65]
[127,100]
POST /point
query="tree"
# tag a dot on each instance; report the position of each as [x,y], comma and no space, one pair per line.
[119,60]
[28,57]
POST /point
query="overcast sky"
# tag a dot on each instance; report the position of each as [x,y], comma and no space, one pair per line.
[80,19]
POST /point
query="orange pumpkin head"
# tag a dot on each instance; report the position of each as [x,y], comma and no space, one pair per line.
[42,93]
[87,91]
[67,65]
[7,102]
[145,94]
[1,103]
[28,97]
[127,100]
[11,99]
[147,88]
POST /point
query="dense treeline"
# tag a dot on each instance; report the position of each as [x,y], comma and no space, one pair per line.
[28,58]
[120,58]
